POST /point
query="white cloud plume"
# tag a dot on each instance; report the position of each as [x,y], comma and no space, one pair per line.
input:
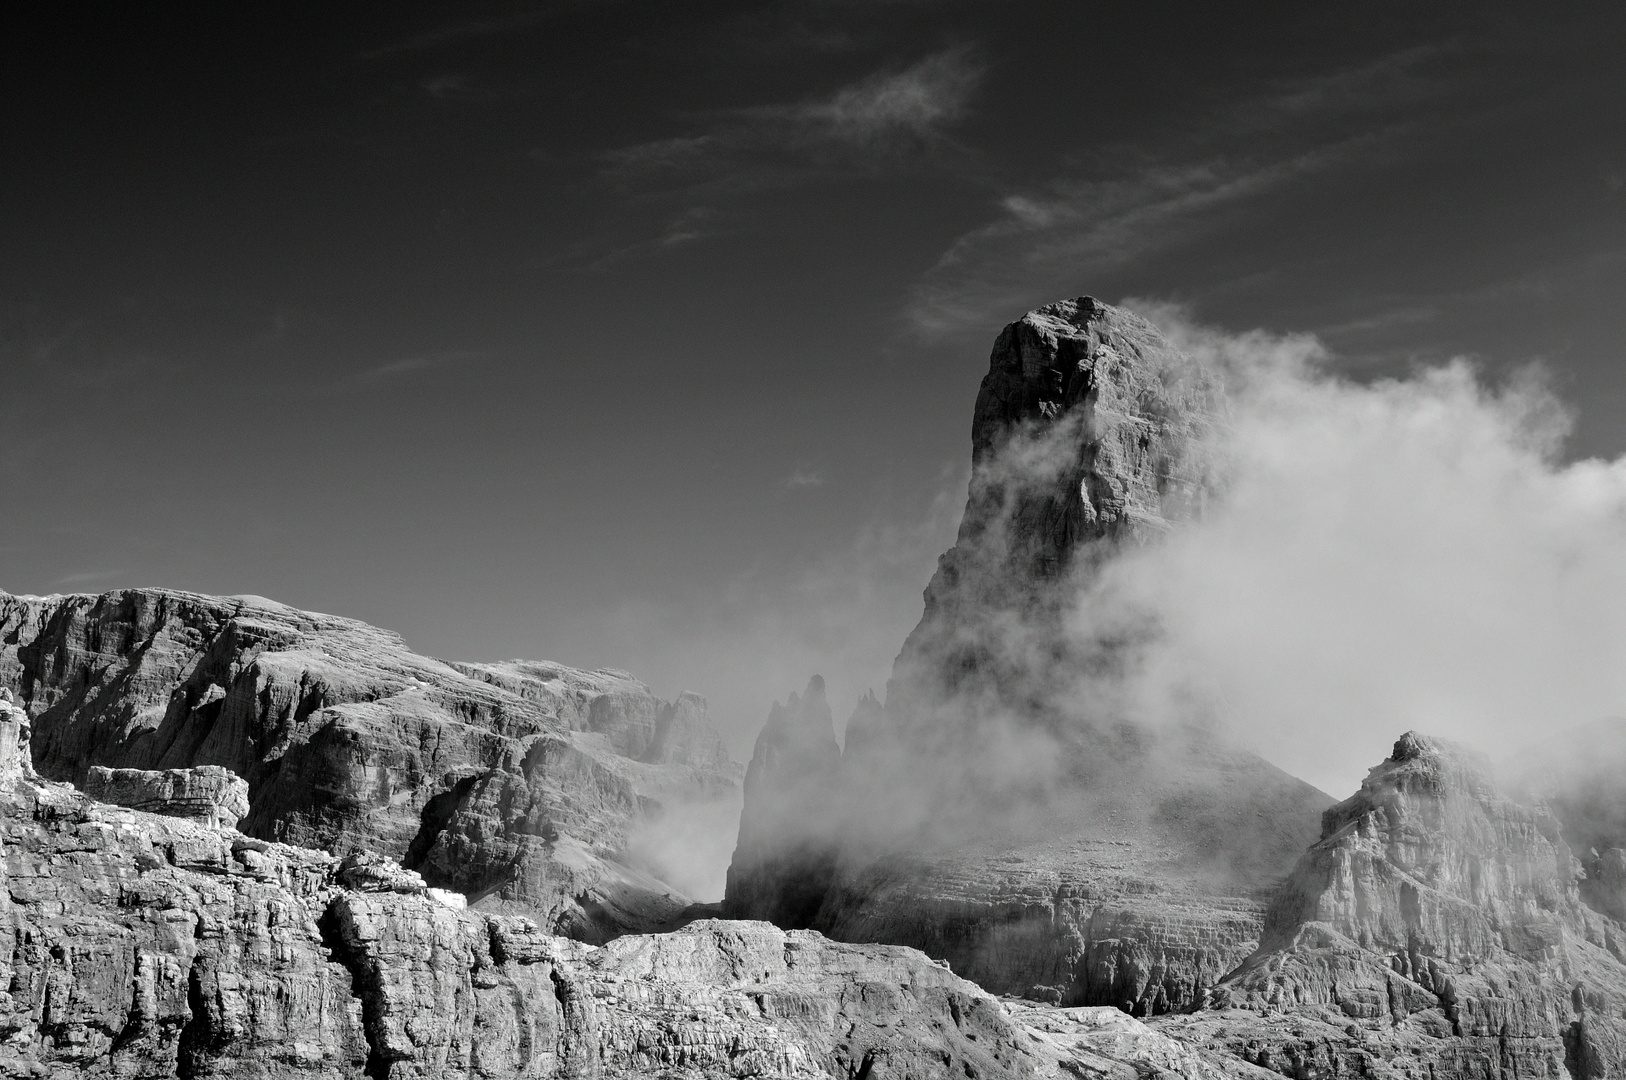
[913,103]
[1410,553]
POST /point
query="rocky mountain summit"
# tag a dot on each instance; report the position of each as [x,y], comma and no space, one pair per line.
[523,785]
[1437,929]
[996,811]
[1000,812]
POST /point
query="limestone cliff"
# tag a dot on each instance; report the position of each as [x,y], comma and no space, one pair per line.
[1580,775]
[1435,930]
[1090,429]
[347,739]
[156,946]
[997,812]
[786,853]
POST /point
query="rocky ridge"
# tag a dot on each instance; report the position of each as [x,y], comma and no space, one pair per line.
[1580,775]
[346,739]
[1436,929]
[994,812]
[161,946]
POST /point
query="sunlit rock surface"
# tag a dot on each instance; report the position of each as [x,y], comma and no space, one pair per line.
[1580,774]
[524,786]
[1436,930]
[207,793]
[147,945]
[998,811]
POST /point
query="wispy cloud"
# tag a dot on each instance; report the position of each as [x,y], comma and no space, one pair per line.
[1040,240]
[887,110]
[805,478]
[882,118]
[1127,201]
[459,31]
[394,371]
[685,227]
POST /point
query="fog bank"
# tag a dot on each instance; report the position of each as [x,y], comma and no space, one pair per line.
[1409,553]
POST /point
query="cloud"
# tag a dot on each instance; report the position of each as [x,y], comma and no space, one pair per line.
[85,577]
[804,478]
[1075,229]
[457,32]
[395,370]
[884,116]
[889,119]
[1124,202]
[1405,553]
[890,110]
[685,227]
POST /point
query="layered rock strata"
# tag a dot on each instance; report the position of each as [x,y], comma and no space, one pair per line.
[1436,930]
[1000,811]
[160,946]
[1580,775]
[348,740]
[207,793]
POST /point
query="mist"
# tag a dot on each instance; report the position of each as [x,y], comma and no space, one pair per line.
[1409,553]
[842,612]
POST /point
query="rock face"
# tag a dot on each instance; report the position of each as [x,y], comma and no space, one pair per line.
[1435,930]
[159,946]
[997,812]
[1090,429]
[1105,896]
[1581,776]
[348,740]
[207,793]
[783,865]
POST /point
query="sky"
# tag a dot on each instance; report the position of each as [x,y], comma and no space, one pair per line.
[646,335]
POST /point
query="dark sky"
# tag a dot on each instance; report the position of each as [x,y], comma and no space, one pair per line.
[646,335]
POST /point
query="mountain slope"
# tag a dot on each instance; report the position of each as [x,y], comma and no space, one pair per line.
[348,740]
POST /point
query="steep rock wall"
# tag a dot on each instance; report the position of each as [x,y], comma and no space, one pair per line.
[1435,930]
[154,946]
[349,740]
[783,864]
[996,812]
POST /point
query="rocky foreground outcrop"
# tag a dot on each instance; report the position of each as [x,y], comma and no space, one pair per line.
[999,811]
[146,945]
[523,785]
[1436,930]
